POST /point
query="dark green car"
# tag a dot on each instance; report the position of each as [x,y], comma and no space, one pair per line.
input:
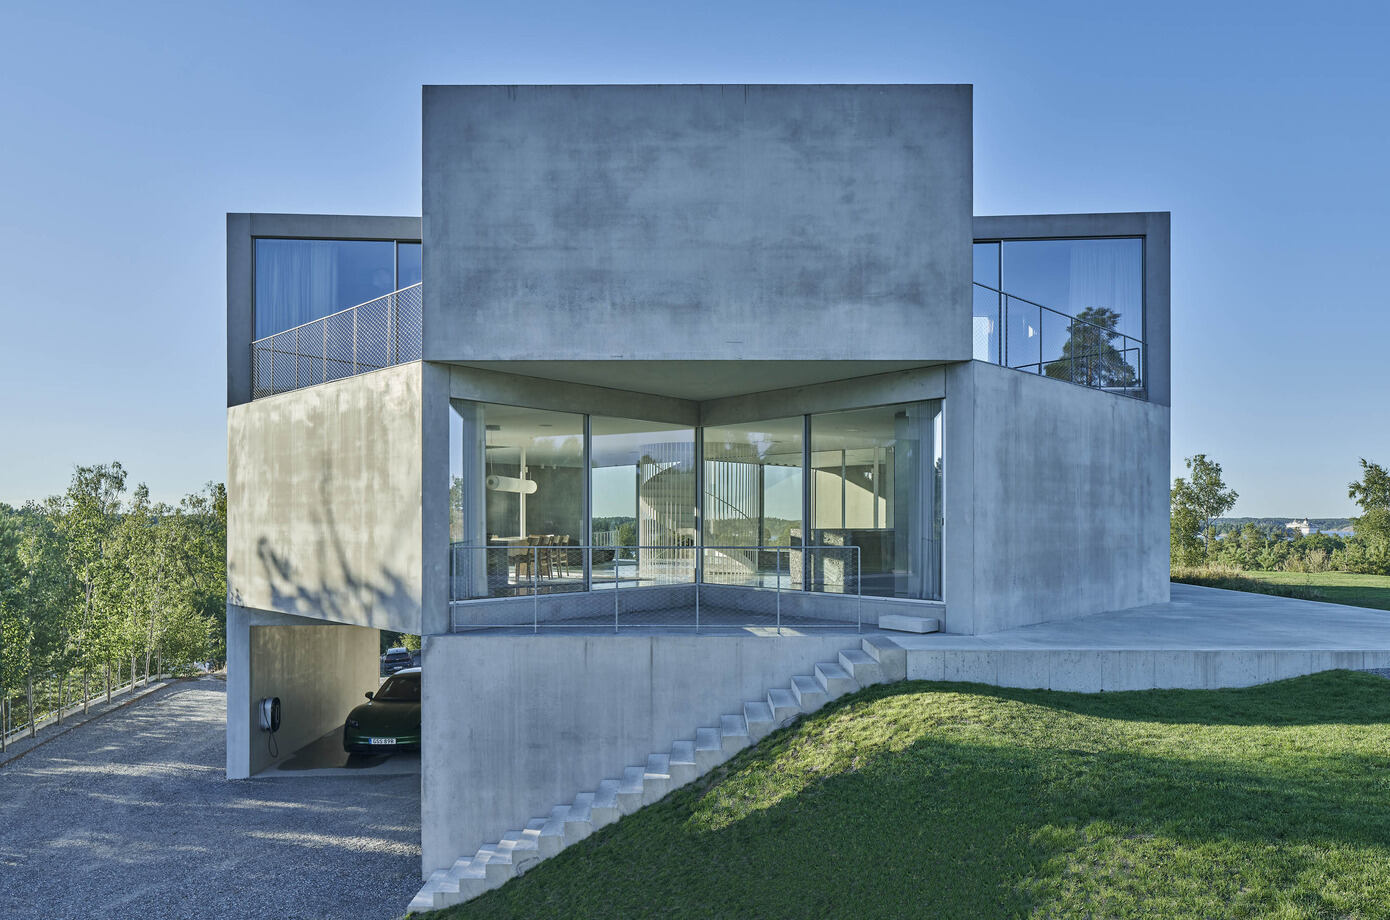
[390,720]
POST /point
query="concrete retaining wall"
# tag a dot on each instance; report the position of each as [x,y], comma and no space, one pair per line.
[1097,670]
[514,726]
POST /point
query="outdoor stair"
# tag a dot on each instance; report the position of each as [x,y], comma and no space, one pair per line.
[877,659]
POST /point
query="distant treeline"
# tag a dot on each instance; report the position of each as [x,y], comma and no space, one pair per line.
[1200,537]
[1277,525]
[100,585]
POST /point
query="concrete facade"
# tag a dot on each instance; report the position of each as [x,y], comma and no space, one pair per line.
[325,517]
[1056,500]
[697,222]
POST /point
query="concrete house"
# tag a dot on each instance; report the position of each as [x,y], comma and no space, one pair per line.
[673,404]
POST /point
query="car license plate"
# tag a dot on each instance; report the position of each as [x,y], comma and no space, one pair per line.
[381,740]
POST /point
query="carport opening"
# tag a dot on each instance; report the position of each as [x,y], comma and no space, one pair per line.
[324,677]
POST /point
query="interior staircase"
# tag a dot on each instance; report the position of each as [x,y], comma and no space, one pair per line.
[877,659]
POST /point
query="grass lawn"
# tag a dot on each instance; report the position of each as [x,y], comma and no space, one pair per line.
[956,800]
[1333,587]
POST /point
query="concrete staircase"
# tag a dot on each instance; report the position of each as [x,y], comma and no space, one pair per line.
[877,659]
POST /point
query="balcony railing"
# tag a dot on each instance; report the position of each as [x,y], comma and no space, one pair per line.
[1016,332]
[530,586]
[367,337]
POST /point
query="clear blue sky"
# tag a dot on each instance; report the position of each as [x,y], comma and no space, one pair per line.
[130,129]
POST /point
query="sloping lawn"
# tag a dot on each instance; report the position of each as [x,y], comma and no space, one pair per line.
[953,800]
[1332,587]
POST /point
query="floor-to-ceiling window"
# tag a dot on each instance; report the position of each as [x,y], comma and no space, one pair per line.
[642,490]
[753,484]
[522,496]
[530,489]
[874,493]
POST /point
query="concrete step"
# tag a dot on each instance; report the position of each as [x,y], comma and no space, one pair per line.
[576,818]
[548,844]
[522,848]
[630,789]
[709,749]
[810,695]
[497,865]
[784,706]
[558,826]
[684,767]
[604,808]
[466,879]
[861,666]
[432,895]
[733,733]
[834,679]
[758,716]
[656,782]
[906,623]
[891,656]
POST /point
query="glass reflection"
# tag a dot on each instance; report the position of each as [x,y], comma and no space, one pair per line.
[642,486]
[753,498]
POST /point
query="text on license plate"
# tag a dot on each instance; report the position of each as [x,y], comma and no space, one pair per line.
[381,740]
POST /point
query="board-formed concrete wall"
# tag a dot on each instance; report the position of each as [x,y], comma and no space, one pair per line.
[1056,500]
[325,515]
[697,222]
[514,726]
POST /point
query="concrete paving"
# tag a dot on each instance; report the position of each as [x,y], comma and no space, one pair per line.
[130,815]
[1204,638]
[1195,618]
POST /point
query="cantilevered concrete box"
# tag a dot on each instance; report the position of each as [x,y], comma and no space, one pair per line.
[591,223]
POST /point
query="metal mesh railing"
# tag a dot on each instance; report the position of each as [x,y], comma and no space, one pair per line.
[367,337]
[531,587]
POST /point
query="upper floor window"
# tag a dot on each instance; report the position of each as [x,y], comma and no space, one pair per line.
[1067,308]
[298,281]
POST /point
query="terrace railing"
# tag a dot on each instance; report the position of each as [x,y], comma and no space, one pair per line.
[1030,337]
[367,337]
[533,587]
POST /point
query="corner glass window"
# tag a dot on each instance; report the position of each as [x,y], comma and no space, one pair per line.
[298,281]
[875,494]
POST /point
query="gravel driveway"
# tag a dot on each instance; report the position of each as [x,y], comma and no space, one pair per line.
[131,816]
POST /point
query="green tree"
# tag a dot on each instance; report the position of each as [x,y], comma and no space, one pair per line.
[1089,355]
[1371,552]
[1196,500]
[85,516]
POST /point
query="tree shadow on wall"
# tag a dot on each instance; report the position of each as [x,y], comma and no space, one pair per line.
[342,591]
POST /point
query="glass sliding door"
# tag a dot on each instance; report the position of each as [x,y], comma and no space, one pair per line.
[522,513]
[874,501]
[753,499]
[642,489]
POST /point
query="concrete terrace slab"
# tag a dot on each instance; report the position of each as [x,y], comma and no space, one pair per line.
[1204,638]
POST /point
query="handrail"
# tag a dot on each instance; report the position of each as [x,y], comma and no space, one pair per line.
[540,557]
[1128,344]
